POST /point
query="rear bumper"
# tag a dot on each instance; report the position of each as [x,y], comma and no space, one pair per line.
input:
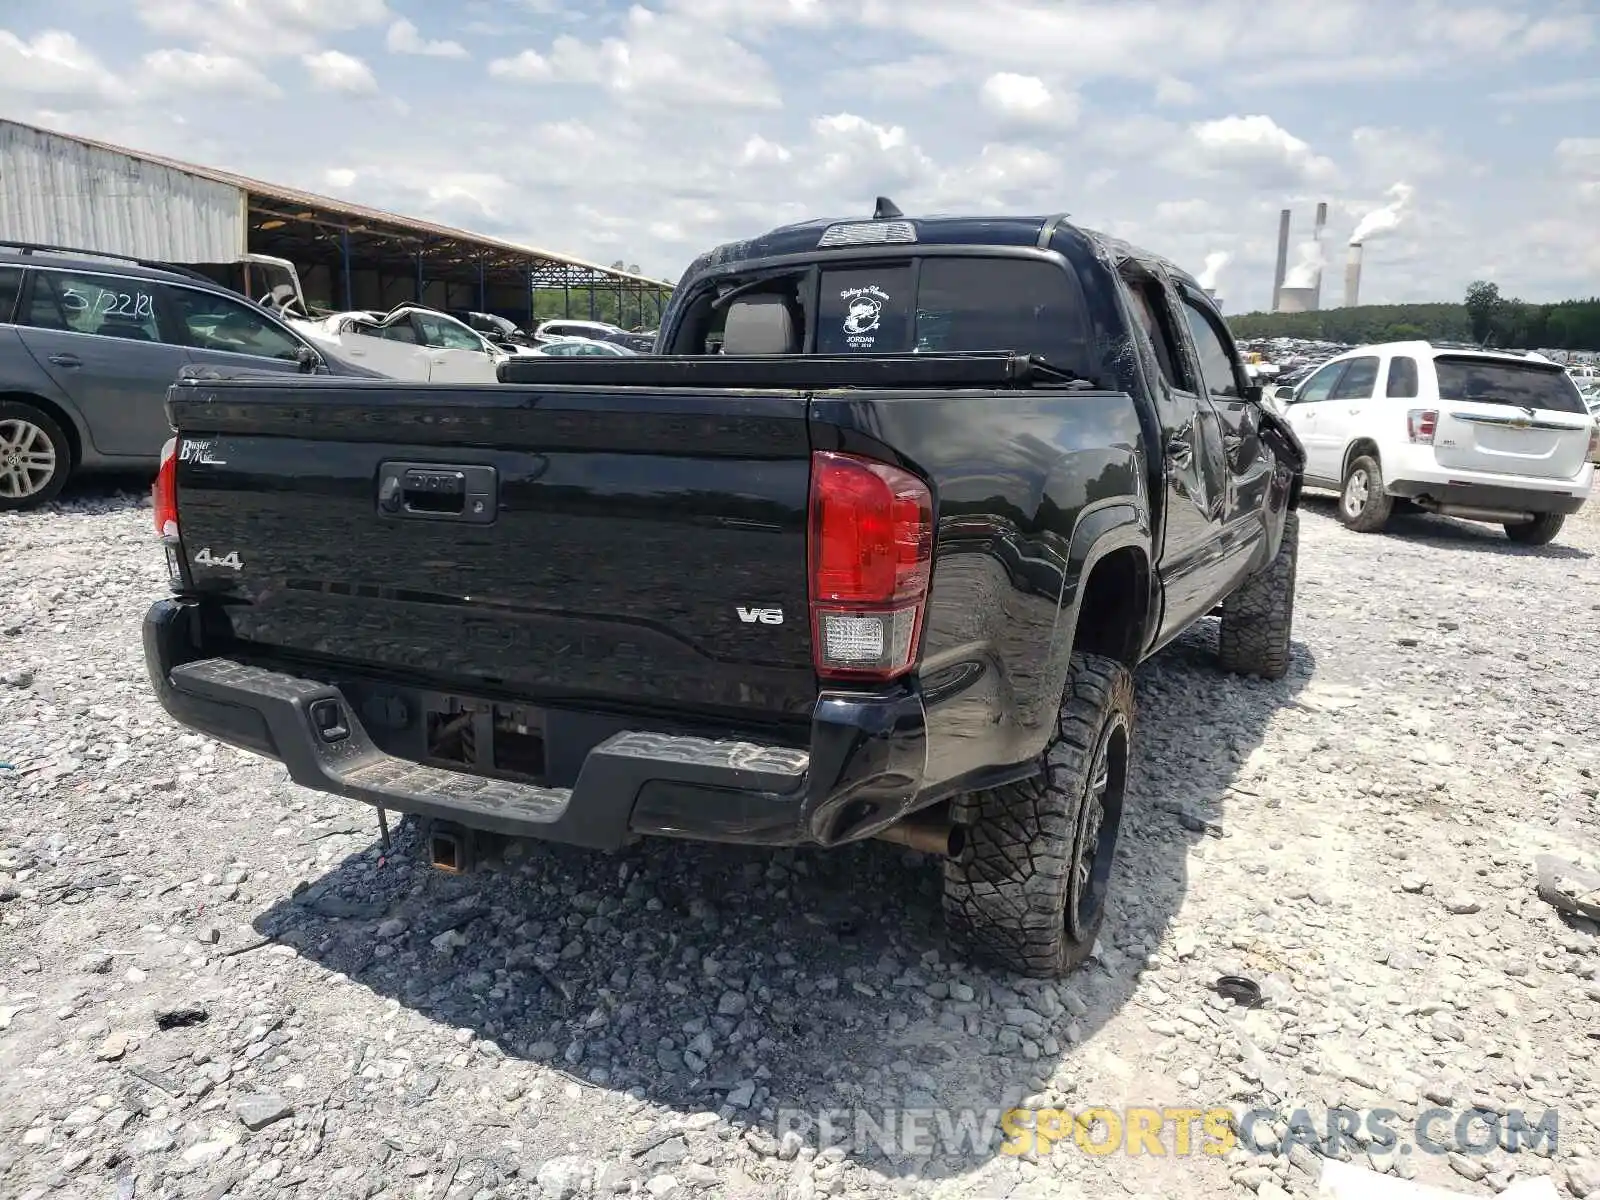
[1485,495]
[1416,474]
[862,772]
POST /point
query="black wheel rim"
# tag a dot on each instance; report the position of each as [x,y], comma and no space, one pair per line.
[1098,822]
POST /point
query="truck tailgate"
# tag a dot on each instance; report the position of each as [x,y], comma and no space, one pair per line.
[584,546]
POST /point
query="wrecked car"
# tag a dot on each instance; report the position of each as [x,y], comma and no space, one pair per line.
[413,343]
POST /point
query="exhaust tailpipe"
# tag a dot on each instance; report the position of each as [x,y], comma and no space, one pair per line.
[1472,512]
[930,837]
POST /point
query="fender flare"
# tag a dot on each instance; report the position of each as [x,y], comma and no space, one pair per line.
[1101,529]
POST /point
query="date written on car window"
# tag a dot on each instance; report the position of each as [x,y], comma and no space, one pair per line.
[139,305]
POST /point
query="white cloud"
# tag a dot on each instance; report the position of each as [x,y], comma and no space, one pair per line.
[53,66]
[759,150]
[1003,176]
[335,71]
[403,38]
[1016,95]
[1189,214]
[661,59]
[752,15]
[529,65]
[1579,156]
[1565,92]
[1385,153]
[340,178]
[260,27]
[1255,149]
[896,79]
[1174,91]
[180,71]
[1025,98]
[867,156]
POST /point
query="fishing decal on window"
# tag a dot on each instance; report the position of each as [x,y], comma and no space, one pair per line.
[863,315]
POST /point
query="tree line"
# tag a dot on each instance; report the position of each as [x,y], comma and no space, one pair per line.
[1484,316]
[600,304]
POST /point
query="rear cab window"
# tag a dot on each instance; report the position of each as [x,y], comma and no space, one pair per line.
[865,310]
[1499,381]
[966,304]
[935,304]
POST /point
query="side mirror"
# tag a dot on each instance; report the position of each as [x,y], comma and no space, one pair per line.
[1283,394]
[310,361]
[1252,393]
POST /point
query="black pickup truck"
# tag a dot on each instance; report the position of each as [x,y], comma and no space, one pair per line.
[868,548]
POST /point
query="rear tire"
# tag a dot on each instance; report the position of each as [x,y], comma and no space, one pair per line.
[1540,531]
[1363,504]
[1259,617]
[35,457]
[1028,889]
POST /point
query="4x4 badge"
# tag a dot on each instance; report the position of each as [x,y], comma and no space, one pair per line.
[206,559]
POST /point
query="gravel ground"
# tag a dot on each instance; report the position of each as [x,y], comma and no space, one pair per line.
[211,984]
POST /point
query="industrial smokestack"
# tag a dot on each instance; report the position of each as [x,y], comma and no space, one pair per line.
[1352,276]
[1283,258]
[1322,223]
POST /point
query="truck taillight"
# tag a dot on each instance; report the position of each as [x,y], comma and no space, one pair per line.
[871,550]
[164,493]
[1421,424]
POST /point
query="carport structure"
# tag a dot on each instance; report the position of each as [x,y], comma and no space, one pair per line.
[349,256]
[73,191]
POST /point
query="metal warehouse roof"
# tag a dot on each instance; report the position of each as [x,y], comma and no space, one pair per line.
[297,205]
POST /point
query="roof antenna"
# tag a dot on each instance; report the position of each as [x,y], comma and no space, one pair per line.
[886,209]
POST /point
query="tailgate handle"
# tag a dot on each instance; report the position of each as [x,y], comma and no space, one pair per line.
[438,492]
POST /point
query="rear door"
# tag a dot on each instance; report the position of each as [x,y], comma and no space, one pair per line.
[1509,417]
[1195,566]
[224,333]
[110,344]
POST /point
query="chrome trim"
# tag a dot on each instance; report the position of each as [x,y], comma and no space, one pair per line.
[1515,422]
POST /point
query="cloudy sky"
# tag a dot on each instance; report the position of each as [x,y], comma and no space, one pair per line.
[648,132]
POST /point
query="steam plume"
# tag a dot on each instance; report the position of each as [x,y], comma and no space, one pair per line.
[1381,220]
[1304,273]
[1215,261]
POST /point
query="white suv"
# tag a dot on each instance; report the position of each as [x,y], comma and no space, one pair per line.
[1476,434]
